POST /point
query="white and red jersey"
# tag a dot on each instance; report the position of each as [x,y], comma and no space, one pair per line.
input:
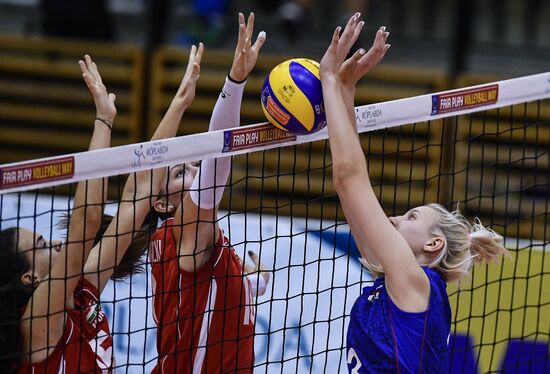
[86,345]
[205,319]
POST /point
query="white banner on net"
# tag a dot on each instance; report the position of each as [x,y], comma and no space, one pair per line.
[52,171]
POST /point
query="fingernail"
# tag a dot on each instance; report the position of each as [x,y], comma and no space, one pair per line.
[383,28]
[262,35]
[358,14]
[361,51]
[362,23]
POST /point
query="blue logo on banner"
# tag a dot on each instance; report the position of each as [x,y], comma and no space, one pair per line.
[226,140]
[435,104]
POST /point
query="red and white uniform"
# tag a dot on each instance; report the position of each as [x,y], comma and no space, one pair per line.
[205,319]
[86,345]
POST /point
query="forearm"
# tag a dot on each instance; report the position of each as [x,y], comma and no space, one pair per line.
[90,195]
[348,95]
[169,124]
[209,184]
[347,154]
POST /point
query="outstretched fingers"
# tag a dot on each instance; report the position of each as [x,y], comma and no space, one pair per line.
[351,33]
[246,53]
[186,91]
[378,50]
[335,38]
[242,33]
[104,101]
[260,41]
[92,67]
[195,58]
[91,76]
[249,30]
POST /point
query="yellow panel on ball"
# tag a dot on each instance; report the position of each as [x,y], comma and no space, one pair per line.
[292,97]
[288,93]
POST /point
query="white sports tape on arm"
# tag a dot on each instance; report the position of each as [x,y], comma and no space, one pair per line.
[209,183]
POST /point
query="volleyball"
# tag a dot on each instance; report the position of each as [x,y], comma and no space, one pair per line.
[292,98]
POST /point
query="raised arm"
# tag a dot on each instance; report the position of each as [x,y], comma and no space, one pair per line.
[43,321]
[141,187]
[195,221]
[406,283]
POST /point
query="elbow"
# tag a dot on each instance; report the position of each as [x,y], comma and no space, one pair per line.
[94,216]
[342,174]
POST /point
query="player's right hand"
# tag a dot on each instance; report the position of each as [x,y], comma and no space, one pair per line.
[246,54]
[104,102]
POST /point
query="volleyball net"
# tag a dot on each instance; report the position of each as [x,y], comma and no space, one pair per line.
[484,148]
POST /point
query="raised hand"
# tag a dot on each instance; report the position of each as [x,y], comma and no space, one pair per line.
[355,68]
[256,261]
[104,102]
[339,47]
[188,85]
[246,54]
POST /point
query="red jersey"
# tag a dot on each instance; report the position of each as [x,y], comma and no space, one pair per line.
[86,345]
[205,319]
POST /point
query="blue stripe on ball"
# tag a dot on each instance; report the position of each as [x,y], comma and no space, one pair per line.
[307,82]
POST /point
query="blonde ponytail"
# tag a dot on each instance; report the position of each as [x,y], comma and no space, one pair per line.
[465,244]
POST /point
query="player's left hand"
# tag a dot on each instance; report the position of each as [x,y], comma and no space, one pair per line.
[355,67]
[339,47]
[104,101]
[188,85]
[246,54]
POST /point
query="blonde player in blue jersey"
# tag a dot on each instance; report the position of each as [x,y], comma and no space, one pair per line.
[402,322]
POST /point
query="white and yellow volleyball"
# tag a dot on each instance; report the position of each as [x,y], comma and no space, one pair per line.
[292,98]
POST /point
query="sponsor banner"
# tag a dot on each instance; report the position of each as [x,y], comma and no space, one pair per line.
[36,172]
[253,136]
[369,116]
[258,137]
[464,99]
[149,153]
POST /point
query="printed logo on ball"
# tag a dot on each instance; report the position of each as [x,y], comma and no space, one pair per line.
[37,172]
[254,136]
[455,101]
[273,109]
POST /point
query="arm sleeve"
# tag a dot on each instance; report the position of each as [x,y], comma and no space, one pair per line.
[209,183]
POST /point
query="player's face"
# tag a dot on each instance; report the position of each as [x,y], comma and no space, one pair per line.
[415,226]
[39,252]
[180,179]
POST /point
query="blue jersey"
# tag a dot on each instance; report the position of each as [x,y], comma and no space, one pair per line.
[384,339]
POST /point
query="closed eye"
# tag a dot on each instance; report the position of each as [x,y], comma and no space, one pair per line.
[41,243]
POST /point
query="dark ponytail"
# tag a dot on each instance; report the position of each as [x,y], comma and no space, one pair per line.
[132,262]
[14,296]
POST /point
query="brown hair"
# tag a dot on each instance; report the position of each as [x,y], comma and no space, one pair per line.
[14,295]
[132,262]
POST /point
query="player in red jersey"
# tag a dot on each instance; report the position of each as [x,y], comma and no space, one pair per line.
[202,299]
[45,339]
